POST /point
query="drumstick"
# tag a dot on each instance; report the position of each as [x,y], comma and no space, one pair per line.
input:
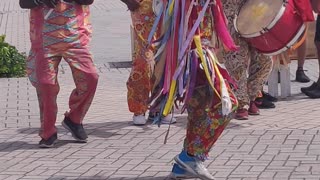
[49,13]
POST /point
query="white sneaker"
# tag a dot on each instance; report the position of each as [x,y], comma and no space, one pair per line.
[193,166]
[139,120]
[169,119]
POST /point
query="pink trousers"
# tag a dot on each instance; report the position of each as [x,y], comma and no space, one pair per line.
[42,67]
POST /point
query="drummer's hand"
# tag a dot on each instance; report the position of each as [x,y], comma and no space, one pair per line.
[50,3]
[132,4]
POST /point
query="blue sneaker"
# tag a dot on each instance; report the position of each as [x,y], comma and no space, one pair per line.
[193,165]
[179,173]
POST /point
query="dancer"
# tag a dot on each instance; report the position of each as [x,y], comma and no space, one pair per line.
[139,83]
[187,69]
[60,29]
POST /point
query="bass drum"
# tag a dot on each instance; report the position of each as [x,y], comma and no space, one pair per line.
[270,26]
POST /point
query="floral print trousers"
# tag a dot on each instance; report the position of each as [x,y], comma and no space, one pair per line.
[139,83]
[205,122]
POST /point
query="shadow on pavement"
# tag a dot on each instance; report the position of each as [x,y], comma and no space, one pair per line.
[294,97]
[104,178]
[101,130]
[182,122]
[18,145]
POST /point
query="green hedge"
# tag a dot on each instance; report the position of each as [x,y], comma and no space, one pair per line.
[12,63]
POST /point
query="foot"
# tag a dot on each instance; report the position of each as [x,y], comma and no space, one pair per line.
[263,103]
[267,96]
[179,173]
[139,120]
[242,114]
[315,93]
[77,131]
[193,165]
[48,143]
[309,88]
[169,119]
[253,109]
[301,76]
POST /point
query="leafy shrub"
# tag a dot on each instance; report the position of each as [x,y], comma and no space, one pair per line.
[12,63]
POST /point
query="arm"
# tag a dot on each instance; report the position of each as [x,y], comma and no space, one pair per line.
[29,4]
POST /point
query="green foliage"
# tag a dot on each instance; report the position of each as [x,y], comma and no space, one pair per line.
[12,63]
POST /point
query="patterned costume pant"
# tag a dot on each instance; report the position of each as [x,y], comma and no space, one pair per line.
[205,123]
[43,70]
[65,33]
[139,82]
[249,68]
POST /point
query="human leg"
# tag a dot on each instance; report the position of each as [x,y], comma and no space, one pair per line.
[85,77]
[301,54]
[139,81]
[237,64]
[259,70]
[205,125]
[42,72]
[313,91]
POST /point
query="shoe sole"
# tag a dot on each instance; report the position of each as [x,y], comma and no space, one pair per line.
[77,139]
[254,114]
[184,166]
[48,146]
[241,118]
[139,124]
[271,107]
[174,176]
[166,122]
[302,81]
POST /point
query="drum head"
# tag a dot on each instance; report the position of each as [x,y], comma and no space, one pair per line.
[255,15]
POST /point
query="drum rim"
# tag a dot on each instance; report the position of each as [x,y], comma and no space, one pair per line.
[290,43]
[268,27]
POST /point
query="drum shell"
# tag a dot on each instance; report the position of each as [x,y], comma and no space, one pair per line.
[273,41]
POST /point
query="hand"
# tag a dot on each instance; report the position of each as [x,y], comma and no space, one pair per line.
[132,4]
[50,3]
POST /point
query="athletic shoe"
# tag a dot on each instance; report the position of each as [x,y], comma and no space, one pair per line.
[253,109]
[264,103]
[179,173]
[301,76]
[139,120]
[268,96]
[242,114]
[49,143]
[77,131]
[169,119]
[314,94]
[193,165]
[309,88]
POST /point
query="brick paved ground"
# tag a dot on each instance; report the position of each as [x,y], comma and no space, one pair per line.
[282,143]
